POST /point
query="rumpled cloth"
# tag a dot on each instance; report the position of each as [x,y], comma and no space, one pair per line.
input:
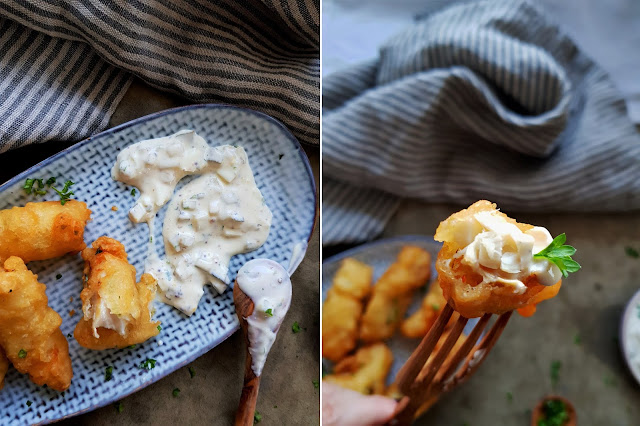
[485,100]
[65,65]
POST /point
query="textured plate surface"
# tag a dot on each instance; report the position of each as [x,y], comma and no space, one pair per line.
[284,177]
[380,255]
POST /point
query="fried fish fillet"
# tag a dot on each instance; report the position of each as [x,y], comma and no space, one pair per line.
[486,263]
[393,293]
[4,366]
[43,230]
[419,323]
[116,310]
[30,330]
[342,309]
[365,371]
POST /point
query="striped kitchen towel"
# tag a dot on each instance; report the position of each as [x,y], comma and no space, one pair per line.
[481,100]
[64,65]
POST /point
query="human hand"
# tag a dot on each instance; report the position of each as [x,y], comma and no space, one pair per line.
[344,407]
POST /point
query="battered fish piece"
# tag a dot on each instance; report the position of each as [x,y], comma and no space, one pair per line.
[420,322]
[487,262]
[365,371]
[4,366]
[116,310]
[393,293]
[43,230]
[342,309]
[30,330]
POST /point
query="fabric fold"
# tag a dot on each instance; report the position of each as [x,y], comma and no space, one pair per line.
[481,100]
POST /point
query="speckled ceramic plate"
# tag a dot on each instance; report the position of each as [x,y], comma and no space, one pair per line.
[282,173]
[380,255]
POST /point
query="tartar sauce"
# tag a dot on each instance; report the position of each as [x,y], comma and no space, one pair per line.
[268,286]
[215,216]
[500,252]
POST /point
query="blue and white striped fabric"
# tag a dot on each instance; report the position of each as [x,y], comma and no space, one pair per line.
[481,100]
[64,65]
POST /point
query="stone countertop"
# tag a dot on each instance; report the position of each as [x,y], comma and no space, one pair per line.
[579,328]
[287,393]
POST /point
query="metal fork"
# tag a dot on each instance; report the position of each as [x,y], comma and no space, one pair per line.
[426,374]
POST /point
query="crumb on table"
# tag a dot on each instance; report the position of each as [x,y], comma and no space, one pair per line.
[114,208]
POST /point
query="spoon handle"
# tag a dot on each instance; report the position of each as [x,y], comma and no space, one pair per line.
[249,397]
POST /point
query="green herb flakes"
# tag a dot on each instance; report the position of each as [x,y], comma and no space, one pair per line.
[257,417]
[176,392]
[316,383]
[148,364]
[108,373]
[192,372]
[58,276]
[29,403]
[119,407]
[133,192]
[295,327]
[555,372]
[22,354]
[269,312]
[631,252]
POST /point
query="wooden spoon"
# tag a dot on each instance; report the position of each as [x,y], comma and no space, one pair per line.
[249,397]
[538,413]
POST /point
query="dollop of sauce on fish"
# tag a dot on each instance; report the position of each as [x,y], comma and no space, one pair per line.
[268,286]
[210,219]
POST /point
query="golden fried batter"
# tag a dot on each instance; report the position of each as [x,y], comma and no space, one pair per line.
[393,292]
[419,323]
[116,309]
[365,371]
[43,230]
[342,309]
[30,330]
[4,366]
[465,289]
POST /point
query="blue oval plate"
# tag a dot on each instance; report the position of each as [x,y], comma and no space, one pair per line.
[380,255]
[283,174]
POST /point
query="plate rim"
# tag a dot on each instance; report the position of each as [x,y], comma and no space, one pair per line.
[139,120]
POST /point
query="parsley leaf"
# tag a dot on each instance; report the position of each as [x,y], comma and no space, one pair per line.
[257,417]
[192,372]
[159,328]
[119,407]
[631,252]
[148,364]
[269,312]
[22,353]
[560,255]
[133,192]
[28,186]
[29,403]
[108,373]
[316,383]
[176,392]
[555,372]
[295,327]
[65,194]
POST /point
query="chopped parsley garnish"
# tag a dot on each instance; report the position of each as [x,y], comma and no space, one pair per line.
[132,347]
[65,194]
[192,372]
[133,192]
[269,312]
[555,372]
[148,364]
[119,407]
[295,327]
[435,307]
[108,373]
[554,412]
[159,328]
[58,276]
[631,252]
[257,417]
[22,353]
[176,392]
[560,254]
[316,383]
[577,340]
[509,396]
[29,403]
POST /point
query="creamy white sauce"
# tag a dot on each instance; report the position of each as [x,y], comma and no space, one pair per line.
[215,216]
[297,255]
[267,284]
[500,252]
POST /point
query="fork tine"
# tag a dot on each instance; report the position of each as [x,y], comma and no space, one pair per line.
[471,364]
[469,343]
[419,391]
[415,363]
